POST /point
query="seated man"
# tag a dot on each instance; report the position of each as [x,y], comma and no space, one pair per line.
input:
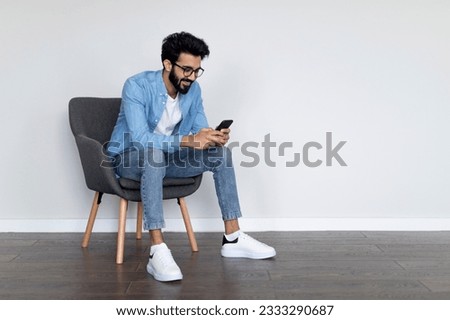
[162,131]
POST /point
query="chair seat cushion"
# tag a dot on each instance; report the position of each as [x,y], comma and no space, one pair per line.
[167,182]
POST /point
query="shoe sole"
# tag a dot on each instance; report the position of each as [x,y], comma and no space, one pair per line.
[243,254]
[164,278]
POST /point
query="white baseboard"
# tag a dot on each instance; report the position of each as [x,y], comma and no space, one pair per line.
[247,224]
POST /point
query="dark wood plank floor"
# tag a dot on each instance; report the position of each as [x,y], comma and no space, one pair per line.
[309,265]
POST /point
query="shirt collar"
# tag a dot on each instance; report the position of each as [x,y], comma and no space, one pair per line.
[160,82]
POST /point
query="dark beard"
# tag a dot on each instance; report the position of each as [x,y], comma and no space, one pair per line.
[176,82]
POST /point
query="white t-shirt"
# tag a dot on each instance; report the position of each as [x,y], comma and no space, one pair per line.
[170,117]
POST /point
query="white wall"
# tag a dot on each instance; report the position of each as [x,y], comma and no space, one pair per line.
[374,73]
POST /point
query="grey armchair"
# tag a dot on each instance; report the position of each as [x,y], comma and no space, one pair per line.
[92,121]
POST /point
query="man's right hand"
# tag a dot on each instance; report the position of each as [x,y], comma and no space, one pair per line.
[205,138]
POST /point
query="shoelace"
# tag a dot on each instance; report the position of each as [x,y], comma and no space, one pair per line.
[165,258]
[251,239]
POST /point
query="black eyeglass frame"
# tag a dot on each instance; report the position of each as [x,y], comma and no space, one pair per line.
[188,71]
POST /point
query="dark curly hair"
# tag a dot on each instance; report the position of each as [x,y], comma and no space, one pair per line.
[183,42]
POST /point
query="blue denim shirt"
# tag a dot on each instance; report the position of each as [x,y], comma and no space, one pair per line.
[143,101]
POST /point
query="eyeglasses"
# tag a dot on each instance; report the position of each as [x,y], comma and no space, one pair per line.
[187,71]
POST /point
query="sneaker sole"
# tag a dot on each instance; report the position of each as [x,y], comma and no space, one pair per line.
[164,278]
[242,254]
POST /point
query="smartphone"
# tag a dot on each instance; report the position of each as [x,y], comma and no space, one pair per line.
[225,124]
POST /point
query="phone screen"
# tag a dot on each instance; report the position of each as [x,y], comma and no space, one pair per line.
[225,124]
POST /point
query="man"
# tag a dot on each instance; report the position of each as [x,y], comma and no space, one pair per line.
[162,131]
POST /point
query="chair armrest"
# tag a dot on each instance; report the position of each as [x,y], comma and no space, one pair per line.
[98,170]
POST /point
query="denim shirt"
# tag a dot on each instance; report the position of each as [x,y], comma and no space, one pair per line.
[143,101]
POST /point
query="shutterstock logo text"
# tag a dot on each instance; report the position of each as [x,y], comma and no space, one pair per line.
[251,150]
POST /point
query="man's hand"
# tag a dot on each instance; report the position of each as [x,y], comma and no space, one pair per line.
[206,138]
[224,135]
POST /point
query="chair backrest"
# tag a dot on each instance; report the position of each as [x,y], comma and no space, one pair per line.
[94,118]
[92,121]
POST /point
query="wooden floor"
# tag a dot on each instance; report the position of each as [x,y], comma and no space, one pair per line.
[309,265]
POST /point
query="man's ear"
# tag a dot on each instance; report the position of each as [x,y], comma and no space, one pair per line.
[167,65]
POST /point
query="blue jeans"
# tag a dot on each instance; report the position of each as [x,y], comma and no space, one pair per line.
[150,166]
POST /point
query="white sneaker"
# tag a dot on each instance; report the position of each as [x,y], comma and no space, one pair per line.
[161,264]
[245,246]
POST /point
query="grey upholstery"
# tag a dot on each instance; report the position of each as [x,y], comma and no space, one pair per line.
[92,121]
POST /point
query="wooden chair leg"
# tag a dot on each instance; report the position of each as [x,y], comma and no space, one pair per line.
[91,220]
[121,233]
[140,210]
[187,223]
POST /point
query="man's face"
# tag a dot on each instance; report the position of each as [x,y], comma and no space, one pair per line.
[177,77]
